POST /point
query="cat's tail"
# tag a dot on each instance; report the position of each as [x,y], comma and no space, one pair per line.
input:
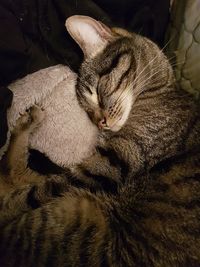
[76,229]
[136,227]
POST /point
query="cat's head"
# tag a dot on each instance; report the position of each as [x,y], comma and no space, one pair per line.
[108,81]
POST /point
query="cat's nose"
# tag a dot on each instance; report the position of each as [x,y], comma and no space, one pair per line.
[102,123]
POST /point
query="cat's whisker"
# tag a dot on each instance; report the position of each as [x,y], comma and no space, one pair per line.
[172,58]
[157,67]
[142,71]
[144,83]
[142,78]
[139,87]
[126,95]
[177,64]
[168,42]
[148,76]
[151,61]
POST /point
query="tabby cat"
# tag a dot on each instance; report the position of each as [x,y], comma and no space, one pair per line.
[136,201]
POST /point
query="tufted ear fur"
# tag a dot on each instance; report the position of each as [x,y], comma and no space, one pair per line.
[91,35]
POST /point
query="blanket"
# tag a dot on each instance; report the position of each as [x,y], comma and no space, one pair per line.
[66,136]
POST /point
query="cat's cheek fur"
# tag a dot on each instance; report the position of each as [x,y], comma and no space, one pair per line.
[126,107]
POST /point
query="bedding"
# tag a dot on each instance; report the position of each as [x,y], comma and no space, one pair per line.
[184,44]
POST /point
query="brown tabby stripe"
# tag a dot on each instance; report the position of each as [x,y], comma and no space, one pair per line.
[104,259]
[191,263]
[108,184]
[70,234]
[137,234]
[10,247]
[50,258]
[124,75]
[31,200]
[114,160]
[165,165]
[87,241]
[81,95]
[188,179]
[129,248]
[19,242]
[52,189]
[27,245]
[40,236]
[85,87]
[6,236]
[187,204]
[193,122]
[56,188]
[159,215]
[191,230]
[161,187]
[76,182]
[114,62]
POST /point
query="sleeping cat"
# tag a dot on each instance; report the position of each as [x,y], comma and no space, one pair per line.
[136,201]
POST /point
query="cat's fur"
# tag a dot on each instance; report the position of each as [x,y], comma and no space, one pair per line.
[136,201]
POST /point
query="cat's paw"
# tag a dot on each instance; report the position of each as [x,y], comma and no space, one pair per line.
[22,123]
[37,115]
[31,119]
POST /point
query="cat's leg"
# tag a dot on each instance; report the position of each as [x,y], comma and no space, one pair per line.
[17,156]
[26,197]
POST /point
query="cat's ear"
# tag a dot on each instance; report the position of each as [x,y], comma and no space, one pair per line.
[90,34]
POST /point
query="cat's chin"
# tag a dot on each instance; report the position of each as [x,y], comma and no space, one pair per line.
[115,128]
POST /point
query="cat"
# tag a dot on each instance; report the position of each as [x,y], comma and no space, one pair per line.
[13,166]
[136,200]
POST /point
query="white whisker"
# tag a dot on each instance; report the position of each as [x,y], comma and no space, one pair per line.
[140,86]
[151,61]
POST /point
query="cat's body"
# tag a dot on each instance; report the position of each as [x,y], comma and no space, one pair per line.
[136,201]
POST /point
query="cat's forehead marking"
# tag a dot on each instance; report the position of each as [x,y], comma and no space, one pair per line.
[93,97]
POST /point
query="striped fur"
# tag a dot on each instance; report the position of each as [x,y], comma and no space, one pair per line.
[135,202]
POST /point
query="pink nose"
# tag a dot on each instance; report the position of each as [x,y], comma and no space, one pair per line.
[102,123]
